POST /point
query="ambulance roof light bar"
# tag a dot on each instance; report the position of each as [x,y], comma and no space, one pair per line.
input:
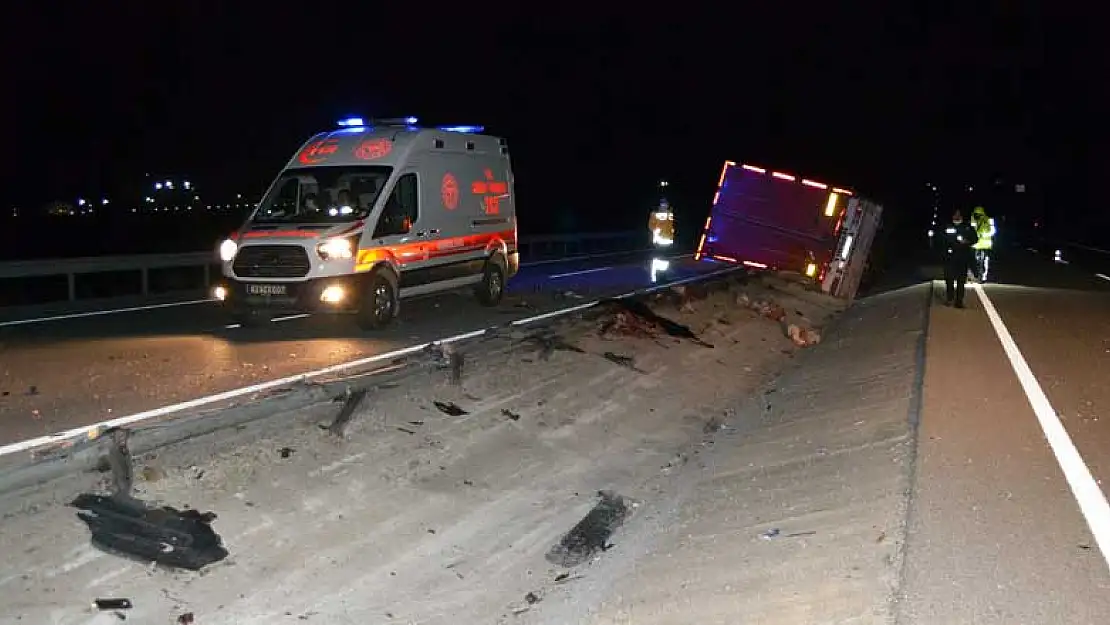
[463,129]
[360,122]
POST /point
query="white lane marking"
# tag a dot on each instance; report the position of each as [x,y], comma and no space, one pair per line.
[578,273]
[94,429]
[1092,502]
[97,313]
[290,317]
[1103,276]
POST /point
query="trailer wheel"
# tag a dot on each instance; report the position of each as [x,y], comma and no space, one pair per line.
[492,288]
[379,303]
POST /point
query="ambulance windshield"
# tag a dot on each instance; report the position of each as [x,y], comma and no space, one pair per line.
[322,195]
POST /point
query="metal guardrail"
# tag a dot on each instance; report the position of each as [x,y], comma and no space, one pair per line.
[532,248]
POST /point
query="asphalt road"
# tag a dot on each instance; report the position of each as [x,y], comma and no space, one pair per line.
[996,533]
[63,374]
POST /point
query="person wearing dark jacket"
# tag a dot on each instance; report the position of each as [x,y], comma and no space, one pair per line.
[959,237]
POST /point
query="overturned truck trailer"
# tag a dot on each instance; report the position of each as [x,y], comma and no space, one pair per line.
[774,220]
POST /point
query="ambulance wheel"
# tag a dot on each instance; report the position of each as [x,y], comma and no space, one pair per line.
[379,303]
[492,287]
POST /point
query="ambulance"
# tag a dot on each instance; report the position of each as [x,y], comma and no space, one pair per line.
[371,213]
[777,220]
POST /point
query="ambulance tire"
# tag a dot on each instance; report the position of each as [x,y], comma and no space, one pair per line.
[379,303]
[492,287]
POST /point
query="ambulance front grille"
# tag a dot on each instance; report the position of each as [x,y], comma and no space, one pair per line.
[271,261]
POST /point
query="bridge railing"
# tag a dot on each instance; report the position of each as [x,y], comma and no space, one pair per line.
[36,282]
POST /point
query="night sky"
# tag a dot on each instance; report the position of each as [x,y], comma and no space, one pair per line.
[596,105]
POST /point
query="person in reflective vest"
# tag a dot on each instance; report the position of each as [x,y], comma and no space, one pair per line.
[661,224]
[959,238]
[984,228]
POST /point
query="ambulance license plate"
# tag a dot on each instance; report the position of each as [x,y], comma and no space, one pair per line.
[266,289]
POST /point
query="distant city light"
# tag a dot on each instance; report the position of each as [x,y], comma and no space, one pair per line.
[80,202]
[104,201]
[158,186]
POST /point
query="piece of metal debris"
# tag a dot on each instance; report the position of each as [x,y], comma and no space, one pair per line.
[510,414]
[185,619]
[592,533]
[285,452]
[113,604]
[167,536]
[450,409]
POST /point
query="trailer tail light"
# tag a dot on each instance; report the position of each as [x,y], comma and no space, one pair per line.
[752,263]
[727,259]
[830,206]
[842,191]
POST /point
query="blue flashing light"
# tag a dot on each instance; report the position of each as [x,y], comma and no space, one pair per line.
[411,121]
[463,129]
[351,122]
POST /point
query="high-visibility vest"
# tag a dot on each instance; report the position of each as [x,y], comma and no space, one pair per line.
[984,227]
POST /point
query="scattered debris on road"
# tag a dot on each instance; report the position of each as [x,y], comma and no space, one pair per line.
[175,538]
[636,319]
[450,409]
[285,452]
[112,604]
[510,414]
[592,533]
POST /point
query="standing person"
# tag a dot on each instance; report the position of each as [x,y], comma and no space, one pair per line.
[959,237]
[984,228]
[661,224]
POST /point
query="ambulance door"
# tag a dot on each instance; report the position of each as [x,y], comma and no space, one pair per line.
[396,229]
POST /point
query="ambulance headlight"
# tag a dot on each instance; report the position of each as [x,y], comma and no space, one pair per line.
[336,249]
[227,250]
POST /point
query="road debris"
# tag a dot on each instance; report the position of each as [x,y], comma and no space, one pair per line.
[624,361]
[510,414]
[802,337]
[592,533]
[175,538]
[636,319]
[450,409]
[285,452]
[185,619]
[112,604]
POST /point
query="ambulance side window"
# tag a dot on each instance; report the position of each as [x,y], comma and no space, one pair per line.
[400,210]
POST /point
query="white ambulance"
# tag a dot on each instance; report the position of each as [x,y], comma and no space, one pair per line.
[373,212]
